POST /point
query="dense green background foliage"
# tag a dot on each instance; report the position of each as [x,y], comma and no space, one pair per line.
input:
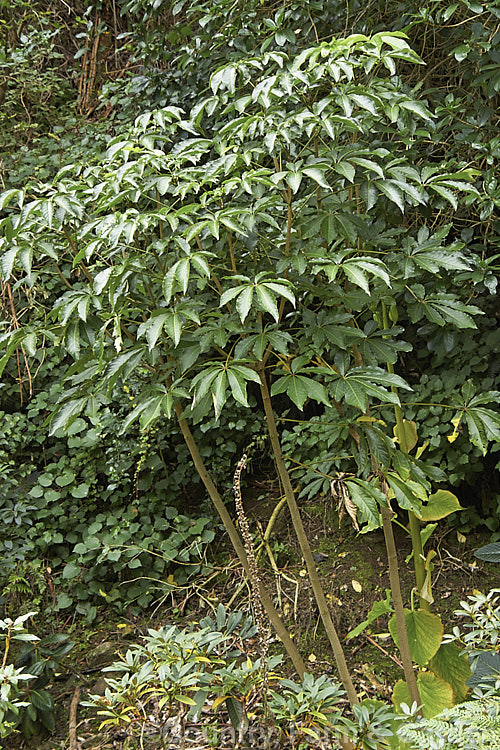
[401,186]
[210,211]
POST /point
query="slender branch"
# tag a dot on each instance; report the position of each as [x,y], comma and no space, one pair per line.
[218,502]
[404,646]
[304,541]
[416,539]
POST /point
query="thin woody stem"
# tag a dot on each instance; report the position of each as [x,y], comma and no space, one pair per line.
[304,541]
[218,502]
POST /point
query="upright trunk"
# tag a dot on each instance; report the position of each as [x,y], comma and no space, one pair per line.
[404,646]
[304,542]
[267,603]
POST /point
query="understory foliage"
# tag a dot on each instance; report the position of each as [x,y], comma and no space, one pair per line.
[198,671]
[218,210]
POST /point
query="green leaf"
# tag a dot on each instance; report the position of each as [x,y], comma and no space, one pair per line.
[66,414]
[238,387]
[393,192]
[234,710]
[244,302]
[408,494]
[445,193]
[72,338]
[345,169]
[173,327]
[294,179]
[218,390]
[378,609]
[281,290]
[417,107]
[293,386]
[7,261]
[439,505]
[229,294]
[452,666]
[101,279]
[366,499]
[435,694]
[152,328]
[71,570]
[267,301]
[490,552]
[356,274]
[425,633]
[317,175]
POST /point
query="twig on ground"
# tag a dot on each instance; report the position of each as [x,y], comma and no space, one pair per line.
[73,740]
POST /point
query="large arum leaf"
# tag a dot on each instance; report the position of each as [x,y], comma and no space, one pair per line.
[435,694]
[453,667]
[425,632]
[441,504]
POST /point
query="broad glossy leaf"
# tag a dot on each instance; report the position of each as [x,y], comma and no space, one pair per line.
[436,694]
[452,666]
[425,633]
[439,505]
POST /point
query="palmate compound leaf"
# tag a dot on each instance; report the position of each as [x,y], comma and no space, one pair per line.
[483,425]
[425,633]
[358,384]
[442,309]
[299,388]
[215,379]
[261,293]
[435,694]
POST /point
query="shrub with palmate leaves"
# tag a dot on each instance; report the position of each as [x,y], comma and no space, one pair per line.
[264,228]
